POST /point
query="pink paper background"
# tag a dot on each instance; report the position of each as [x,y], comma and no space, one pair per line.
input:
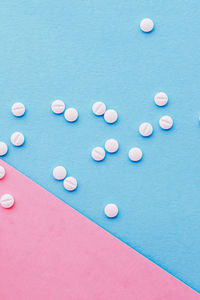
[50,251]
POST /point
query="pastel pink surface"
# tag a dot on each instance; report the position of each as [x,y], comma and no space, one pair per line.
[48,251]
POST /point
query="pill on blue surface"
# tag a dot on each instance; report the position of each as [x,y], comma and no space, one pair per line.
[161,99]
[2,172]
[146,129]
[17,139]
[135,154]
[98,153]
[58,106]
[166,122]
[3,148]
[70,184]
[59,172]
[18,109]
[111,145]
[111,210]
[99,108]
[71,114]
[110,116]
[146,25]
[7,201]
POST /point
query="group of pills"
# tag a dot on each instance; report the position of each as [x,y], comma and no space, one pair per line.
[58,107]
[69,183]
[6,200]
[17,138]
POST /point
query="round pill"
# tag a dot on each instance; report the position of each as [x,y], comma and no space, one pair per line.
[110,116]
[3,148]
[166,122]
[135,154]
[18,109]
[99,108]
[17,139]
[59,172]
[111,210]
[98,153]
[58,106]
[146,129]
[161,99]
[146,25]
[2,172]
[6,200]
[111,145]
[71,114]
[70,183]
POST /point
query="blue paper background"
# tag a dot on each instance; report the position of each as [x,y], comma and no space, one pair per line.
[87,51]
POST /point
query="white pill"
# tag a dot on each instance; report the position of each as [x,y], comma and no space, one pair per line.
[3,148]
[135,154]
[161,99]
[99,108]
[18,109]
[111,145]
[7,200]
[59,172]
[146,25]
[70,183]
[17,139]
[110,116]
[111,210]
[146,129]
[98,153]
[71,114]
[2,172]
[58,106]
[166,122]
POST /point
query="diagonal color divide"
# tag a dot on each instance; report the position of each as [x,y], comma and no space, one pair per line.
[50,251]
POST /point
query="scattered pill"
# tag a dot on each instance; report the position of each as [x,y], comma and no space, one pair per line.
[111,210]
[166,122]
[18,109]
[111,145]
[3,148]
[145,129]
[58,106]
[17,139]
[2,172]
[98,153]
[71,114]
[70,183]
[146,25]
[7,200]
[59,172]
[110,116]
[135,154]
[161,99]
[99,108]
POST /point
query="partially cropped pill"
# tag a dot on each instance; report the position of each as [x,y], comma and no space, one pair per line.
[70,184]
[98,153]
[135,154]
[2,172]
[166,122]
[3,148]
[58,106]
[17,139]
[161,99]
[146,25]
[7,201]
[71,114]
[59,172]
[99,108]
[111,145]
[18,109]
[146,129]
[110,116]
[111,210]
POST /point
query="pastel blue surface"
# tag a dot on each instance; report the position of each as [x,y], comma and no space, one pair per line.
[86,51]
